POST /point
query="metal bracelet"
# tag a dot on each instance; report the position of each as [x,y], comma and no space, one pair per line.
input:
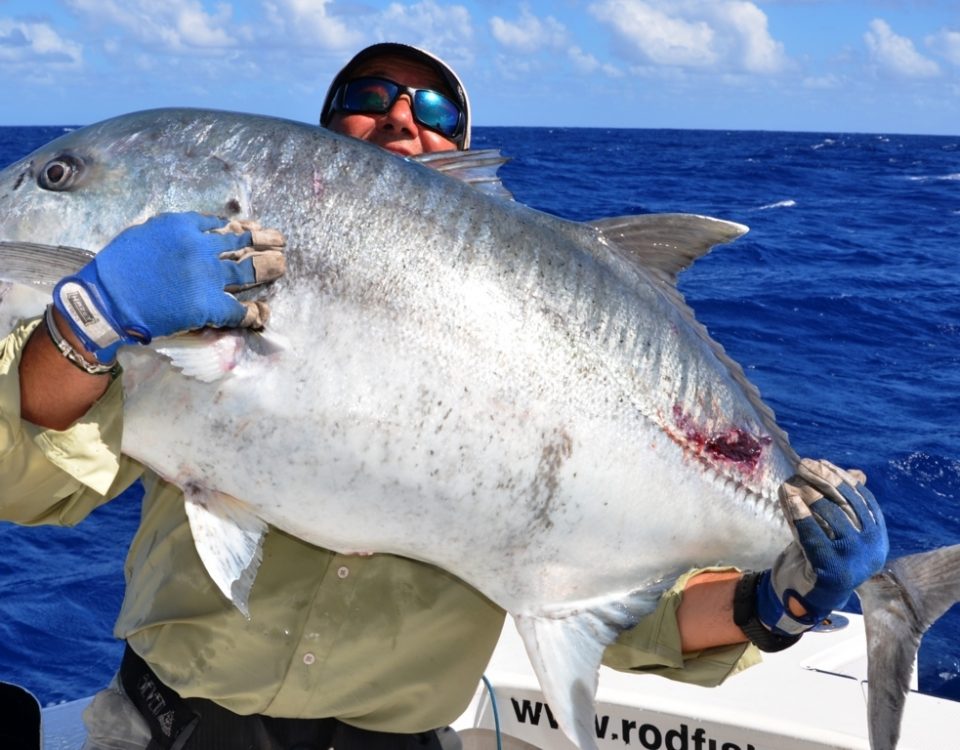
[71,354]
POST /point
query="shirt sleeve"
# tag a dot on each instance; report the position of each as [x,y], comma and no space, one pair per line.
[653,646]
[57,476]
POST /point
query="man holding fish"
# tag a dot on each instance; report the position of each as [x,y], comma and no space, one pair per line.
[339,650]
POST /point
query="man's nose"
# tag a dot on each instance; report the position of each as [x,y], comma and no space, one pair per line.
[400,115]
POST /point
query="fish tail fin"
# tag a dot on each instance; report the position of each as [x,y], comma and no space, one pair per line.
[565,651]
[899,605]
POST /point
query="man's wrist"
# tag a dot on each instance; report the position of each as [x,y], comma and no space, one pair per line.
[71,348]
[745,616]
[81,303]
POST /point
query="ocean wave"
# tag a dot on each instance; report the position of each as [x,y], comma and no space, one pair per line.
[790,203]
[933,177]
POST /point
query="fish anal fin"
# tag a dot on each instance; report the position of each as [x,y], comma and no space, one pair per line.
[229,540]
[566,658]
[565,649]
[667,243]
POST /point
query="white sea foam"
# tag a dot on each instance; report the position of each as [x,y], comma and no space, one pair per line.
[934,177]
[779,204]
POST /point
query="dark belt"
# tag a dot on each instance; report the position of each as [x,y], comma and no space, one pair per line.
[170,719]
[198,724]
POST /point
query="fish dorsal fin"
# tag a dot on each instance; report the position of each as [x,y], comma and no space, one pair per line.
[229,540]
[657,247]
[476,168]
[667,243]
[33,264]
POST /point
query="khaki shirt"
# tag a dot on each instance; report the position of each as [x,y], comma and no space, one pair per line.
[381,642]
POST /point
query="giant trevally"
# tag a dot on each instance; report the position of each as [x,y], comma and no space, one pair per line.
[448,375]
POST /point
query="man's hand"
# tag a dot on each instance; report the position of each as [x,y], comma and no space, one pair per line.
[170,274]
[841,542]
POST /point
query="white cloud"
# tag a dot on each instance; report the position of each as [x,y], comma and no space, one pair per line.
[176,25]
[446,30]
[946,43]
[587,63]
[760,53]
[528,33]
[697,34]
[896,54]
[656,35]
[29,44]
[308,21]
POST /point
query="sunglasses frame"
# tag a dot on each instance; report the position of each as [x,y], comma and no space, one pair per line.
[411,91]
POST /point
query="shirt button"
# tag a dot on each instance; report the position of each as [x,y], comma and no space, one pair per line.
[343,571]
[309,658]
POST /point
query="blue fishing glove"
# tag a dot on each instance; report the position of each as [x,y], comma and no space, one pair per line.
[841,541]
[170,274]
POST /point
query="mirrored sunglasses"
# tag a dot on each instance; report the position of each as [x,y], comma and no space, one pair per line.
[372,94]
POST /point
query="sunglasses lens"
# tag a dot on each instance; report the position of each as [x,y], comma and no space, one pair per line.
[368,95]
[430,108]
[436,111]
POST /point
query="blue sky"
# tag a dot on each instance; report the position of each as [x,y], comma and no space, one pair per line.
[888,66]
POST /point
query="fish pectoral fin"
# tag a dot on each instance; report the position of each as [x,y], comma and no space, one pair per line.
[229,539]
[899,605]
[34,264]
[213,353]
[667,243]
[476,168]
[566,650]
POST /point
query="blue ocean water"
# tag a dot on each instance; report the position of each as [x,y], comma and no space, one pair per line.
[842,304]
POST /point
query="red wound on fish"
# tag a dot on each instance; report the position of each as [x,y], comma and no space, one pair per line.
[733,445]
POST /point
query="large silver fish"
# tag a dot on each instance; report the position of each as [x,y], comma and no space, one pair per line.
[447,375]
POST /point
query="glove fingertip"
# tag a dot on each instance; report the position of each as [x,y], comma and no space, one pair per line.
[238,275]
[228,242]
[810,464]
[836,519]
[237,241]
[268,266]
[791,501]
[256,315]
[237,314]
[227,313]
[207,222]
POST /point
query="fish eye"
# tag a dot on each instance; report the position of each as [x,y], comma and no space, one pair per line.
[60,173]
